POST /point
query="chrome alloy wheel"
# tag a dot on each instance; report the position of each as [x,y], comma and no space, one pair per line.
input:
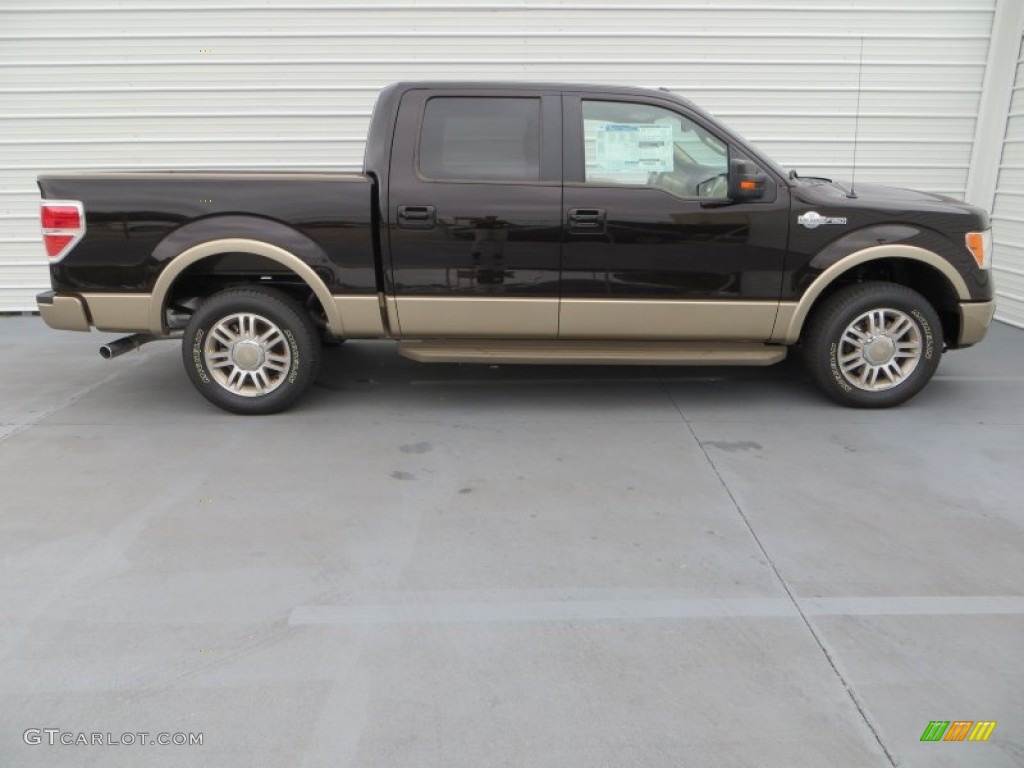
[880,349]
[247,354]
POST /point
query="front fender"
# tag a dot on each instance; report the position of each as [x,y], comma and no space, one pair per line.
[792,315]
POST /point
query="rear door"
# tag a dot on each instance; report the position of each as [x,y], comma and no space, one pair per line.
[474,215]
[653,247]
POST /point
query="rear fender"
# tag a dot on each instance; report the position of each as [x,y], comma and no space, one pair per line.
[277,242]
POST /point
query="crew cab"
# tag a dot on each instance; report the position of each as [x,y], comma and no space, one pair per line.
[522,223]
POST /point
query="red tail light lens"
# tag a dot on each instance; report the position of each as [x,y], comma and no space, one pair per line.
[63,223]
[61,217]
[56,243]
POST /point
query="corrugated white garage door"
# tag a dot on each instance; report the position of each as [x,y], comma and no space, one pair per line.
[1008,211]
[260,84]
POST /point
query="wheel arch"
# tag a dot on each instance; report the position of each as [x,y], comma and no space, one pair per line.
[936,279]
[210,248]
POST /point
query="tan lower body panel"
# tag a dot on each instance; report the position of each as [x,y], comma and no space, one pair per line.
[65,313]
[391,312]
[477,317]
[787,329]
[591,352]
[128,312]
[975,318]
[666,320]
[360,316]
[133,313]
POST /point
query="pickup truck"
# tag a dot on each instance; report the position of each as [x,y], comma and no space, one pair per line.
[523,223]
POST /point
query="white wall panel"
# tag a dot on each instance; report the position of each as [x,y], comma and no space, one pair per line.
[271,84]
[1008,211]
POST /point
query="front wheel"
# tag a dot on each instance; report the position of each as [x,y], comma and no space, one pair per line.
[251,350]
[873,344]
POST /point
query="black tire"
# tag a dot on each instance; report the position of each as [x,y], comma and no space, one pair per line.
[273,358]
[843,370]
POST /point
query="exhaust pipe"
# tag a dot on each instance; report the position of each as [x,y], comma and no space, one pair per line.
[127,344]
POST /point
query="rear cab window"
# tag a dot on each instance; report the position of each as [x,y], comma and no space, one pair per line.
[481,139]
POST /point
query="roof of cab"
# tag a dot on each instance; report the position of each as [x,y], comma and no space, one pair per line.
[378,141]
[529,85]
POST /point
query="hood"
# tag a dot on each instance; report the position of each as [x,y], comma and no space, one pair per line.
[882,197]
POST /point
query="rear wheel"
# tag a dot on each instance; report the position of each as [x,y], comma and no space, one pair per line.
[873,344]
[251,350]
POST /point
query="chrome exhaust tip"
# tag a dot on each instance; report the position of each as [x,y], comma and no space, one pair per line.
[126,344]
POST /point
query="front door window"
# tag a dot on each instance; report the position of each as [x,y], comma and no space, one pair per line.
[645,145]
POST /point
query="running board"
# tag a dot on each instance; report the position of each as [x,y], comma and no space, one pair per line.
[497,351]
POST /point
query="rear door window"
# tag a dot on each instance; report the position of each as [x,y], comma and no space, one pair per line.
[481,139]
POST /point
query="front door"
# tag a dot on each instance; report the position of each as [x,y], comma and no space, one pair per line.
[653,247]
[474,214]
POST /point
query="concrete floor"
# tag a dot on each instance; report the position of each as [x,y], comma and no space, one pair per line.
[468,566]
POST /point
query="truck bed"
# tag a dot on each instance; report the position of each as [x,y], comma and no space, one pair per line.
[325,218]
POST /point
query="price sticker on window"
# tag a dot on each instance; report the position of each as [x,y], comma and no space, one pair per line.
[623,147]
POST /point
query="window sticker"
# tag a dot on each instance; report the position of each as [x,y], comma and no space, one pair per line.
[625,147]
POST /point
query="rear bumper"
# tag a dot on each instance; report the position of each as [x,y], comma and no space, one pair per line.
[128,312]
[65,313]
[975,318]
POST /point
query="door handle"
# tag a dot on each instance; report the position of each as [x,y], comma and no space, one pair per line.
[416,216]
[587,219]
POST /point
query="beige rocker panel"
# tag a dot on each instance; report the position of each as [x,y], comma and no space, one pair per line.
[793,314]
[542,352]
[361,316]
[287,259]
[391,313]
[678,320]
[477,317]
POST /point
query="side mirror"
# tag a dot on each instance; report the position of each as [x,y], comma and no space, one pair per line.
[746,182]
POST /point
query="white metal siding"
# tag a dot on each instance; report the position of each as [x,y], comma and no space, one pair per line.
[270,84]
[1008,211]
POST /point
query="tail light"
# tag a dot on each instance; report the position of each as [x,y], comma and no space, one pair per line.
[63,223]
